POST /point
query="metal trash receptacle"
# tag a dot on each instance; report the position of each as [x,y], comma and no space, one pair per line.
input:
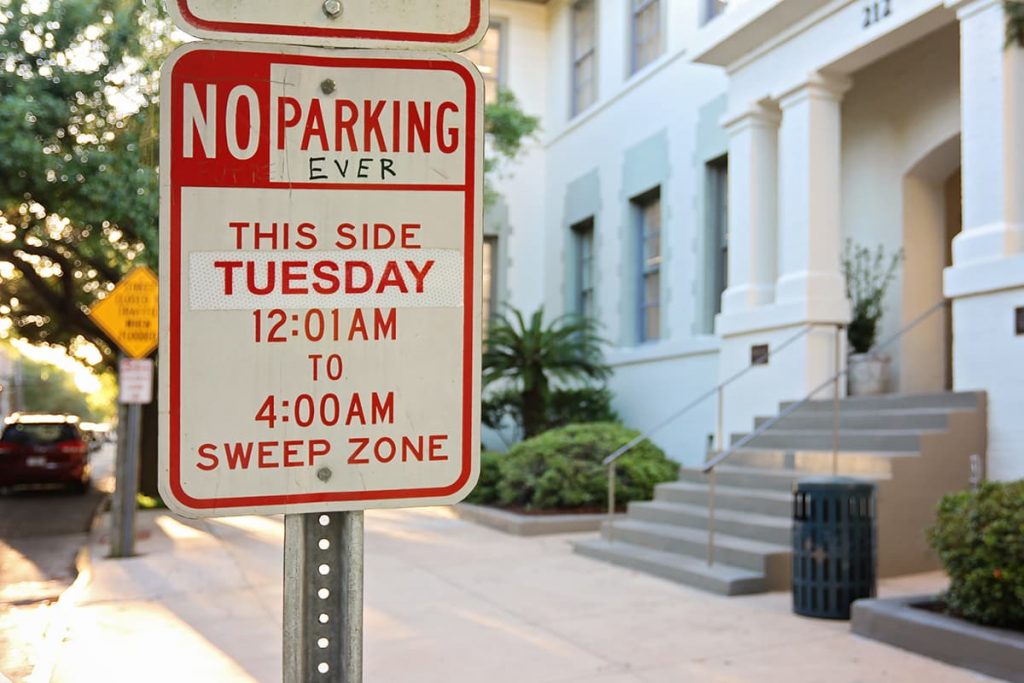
[833,545]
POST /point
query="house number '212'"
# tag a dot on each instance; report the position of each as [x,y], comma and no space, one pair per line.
[874,12]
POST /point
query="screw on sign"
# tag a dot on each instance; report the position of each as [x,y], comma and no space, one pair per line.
[445,25]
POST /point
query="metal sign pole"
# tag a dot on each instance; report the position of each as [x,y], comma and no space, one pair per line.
[323,597]
[122,542]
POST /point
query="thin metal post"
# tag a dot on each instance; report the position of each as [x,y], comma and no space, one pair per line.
[122,537]
[719,436]
[611,502]
[711,517]
[323,598]
[835,401]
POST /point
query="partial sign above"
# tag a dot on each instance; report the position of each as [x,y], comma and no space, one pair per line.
[320,250]
[130,313]
[445,25]
[135,380]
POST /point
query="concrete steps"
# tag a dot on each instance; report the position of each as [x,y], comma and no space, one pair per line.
[730,550]
[945,401]
[691,571]
[746,477]
[879,438]
[910,419]
[871,440]
[767,528]
[758,501]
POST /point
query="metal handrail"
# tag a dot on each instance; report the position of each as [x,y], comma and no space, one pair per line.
[710,465]
[609,461]
[615,455]
[723,455]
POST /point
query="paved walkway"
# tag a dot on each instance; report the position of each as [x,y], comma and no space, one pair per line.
[448,601]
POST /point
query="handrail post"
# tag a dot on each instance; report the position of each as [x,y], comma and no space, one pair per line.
[711,517]
[719,435]
[835,399]
[611,502]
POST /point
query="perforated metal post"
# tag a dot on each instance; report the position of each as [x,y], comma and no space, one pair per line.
[323,598]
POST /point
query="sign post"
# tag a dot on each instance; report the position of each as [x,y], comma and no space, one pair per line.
[320,250]
[129,316]
[323,612]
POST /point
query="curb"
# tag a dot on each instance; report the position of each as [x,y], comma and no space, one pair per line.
[529,525]
[60,620]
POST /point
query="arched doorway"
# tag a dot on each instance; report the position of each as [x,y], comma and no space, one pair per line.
[931,219]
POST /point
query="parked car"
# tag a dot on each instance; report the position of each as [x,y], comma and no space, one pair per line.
[96,434]
[44,449]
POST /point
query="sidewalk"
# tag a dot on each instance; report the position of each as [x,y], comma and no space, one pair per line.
[446,602]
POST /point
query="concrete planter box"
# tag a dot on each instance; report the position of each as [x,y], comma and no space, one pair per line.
[529,525]
[896,621]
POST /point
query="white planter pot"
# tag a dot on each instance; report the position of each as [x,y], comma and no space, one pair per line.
[868,374]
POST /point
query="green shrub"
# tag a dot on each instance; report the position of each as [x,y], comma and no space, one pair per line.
[561,468]
[585,404]
[980,539]
[486,490]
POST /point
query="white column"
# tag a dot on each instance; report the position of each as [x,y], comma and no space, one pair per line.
[992,138]
[986,281]
[753,167]
[810,281]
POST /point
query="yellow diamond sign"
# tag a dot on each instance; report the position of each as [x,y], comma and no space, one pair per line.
[129,315]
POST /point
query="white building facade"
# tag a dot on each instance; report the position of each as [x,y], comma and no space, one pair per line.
[702,164]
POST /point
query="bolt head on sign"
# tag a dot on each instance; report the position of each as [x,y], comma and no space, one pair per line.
[441,25]
[129,314]
[320,249]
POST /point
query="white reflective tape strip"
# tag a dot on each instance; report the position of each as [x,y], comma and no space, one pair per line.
[318,279]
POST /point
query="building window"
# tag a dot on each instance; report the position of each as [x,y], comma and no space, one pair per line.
[583,235]
[584,55]
[489,275]
[713,8]
[648,212]
[487,56]
[718,233]
[646,33]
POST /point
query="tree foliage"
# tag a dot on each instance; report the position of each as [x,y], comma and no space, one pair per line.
[507,127]
[78,183]
[530,355]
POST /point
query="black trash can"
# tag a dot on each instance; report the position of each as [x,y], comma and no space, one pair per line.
[833,545]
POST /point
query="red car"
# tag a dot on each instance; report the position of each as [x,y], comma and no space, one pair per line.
[44,449]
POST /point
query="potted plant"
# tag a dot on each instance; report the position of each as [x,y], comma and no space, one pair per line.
[869,273]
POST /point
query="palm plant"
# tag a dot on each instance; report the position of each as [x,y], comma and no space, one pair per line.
[530,356]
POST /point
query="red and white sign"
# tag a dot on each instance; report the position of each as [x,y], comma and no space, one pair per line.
[320,249]
[135,380]
[447,25]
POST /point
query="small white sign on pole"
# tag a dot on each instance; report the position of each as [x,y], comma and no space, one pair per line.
[321,240]
[135,380]
[442,25]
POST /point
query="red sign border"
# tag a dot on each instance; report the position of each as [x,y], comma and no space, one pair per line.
[475,16]
[469,188]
